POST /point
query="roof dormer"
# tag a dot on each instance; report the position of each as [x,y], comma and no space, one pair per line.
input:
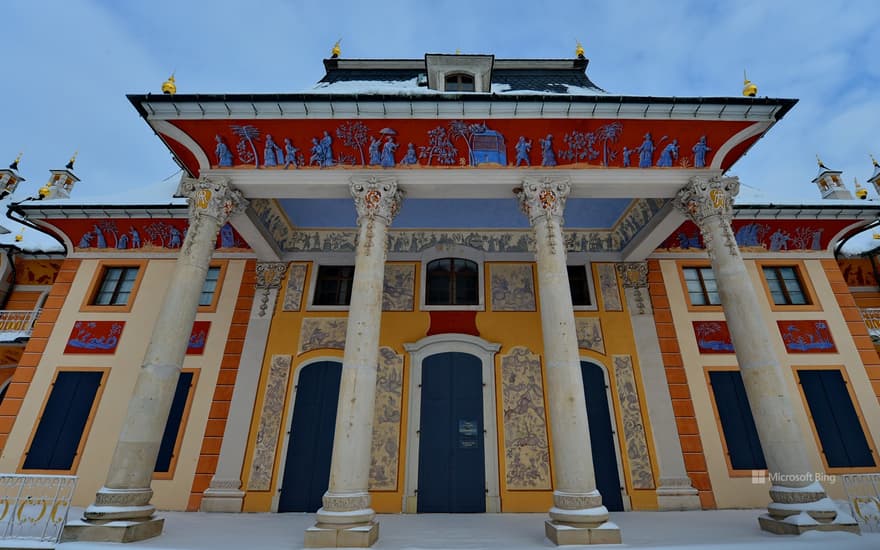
[457,73]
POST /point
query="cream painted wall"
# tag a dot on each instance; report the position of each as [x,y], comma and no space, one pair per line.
[123,368]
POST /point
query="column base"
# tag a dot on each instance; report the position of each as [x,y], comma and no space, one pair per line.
[803,522]
[222,499]
[675,494]
[111,531]
[562,534]
[342,536]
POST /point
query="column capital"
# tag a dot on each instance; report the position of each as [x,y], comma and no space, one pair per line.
[214,197]
[633,274]
[705,197]
[543,198]
[376,198]
[270,274]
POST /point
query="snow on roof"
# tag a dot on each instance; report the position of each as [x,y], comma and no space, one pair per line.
[411,87]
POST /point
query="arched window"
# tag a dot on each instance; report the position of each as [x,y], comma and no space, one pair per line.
[459,82]
[452,281]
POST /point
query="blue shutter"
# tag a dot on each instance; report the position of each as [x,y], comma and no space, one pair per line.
[64,419]
[737,422]
[835,418]
[172,426]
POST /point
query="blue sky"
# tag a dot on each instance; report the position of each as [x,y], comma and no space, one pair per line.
[68,65]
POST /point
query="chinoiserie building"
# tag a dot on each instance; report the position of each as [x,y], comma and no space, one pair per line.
[451,284]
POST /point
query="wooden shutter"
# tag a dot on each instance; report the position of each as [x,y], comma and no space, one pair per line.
[172,426]
[743,445]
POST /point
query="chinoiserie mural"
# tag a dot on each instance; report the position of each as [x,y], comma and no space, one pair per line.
[858,271]
[198,337]
[322,333]
[526,450]
[386,421]
[260,478]
[608,287]
[589,334]
[36,272]
[633,427]
[94,337]
[273,218]
[513,287]
[399,287]
[764,235]
[806,337]
[296,280]
[713,337]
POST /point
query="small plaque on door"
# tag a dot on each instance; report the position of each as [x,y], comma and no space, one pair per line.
[467,434]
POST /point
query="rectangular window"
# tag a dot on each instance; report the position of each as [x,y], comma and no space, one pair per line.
[169,445]
[579,285]
[60,430]
[334,285]
[785,285]
[701,286]
[116,286]
[737,423]
[834,416]
[210,286]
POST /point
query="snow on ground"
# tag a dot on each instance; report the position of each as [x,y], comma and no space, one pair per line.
[718,529]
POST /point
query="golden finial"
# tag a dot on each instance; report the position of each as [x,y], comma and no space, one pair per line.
[14,165]
[861,192]
[334,53]
[44,191]
[820,163]
[579,50]
[749,89]
[69,164]
[870,155]
[20,236]
[169,87]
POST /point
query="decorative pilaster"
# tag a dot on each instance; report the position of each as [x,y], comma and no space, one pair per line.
[224,494]
[122,511]
[578,516]
[674,490]
[709,203]
[346,518]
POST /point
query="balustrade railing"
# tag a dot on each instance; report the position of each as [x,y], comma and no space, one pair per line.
[34,508]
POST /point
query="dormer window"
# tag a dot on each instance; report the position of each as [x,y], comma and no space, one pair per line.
[459,82]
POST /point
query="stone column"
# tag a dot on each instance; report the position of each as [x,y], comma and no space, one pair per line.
[346,518]
[224,494]
[122,511]
[578,516]
[709,203]
[674,490]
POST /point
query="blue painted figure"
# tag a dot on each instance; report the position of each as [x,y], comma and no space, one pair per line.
[410,157]
[135,237]
[317,153]
[327,149]
[779,240]
[272,155]
[85,241]
[548,158]
[290,154]
[700,150]
[375,157]
[626,154]
[817,239]
[646,152]
[388,150]
[175,240]
[227,237]
[100,241]
[522,151]
[224,155]
[669,154]
[123,242]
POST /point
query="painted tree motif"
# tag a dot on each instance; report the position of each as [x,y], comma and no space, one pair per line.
[109,226]
[580,147]
[354,134]
[608,134]
[158,231]
[461,129]
[248,134]
[440,147]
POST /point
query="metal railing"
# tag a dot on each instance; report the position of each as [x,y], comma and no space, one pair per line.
[863,494]
[12,321]
[34,507]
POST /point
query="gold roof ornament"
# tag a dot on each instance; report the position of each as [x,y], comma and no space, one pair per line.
[44,191]
[20,236]
[876,235]
[169,87]
[14,165]
[861,192]
[749,89]
[69,164]
[873,160]
[820,163]
[334,53]
[579,50]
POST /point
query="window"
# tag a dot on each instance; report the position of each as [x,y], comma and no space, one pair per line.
[579,285]
[452,281]
[701,286]
[169,447]
[837,424]
[785,285]
[56,442]
[737,423]
[459,82]
[333,287]
[210,286]
[116,286]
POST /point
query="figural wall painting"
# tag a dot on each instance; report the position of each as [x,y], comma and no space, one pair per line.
[764,235]
[94,337]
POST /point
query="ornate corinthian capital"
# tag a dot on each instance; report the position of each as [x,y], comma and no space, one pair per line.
[544,198]
[213,197]
[376,199]
[705,197]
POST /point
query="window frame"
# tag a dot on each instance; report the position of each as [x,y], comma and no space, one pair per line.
[313,270]
[591,287]
[812,304]
[98,278]
[84,438]
[731,472]
[218,290]
[459,76]
[455,253]
[478,283]
[181,429]
[687,295]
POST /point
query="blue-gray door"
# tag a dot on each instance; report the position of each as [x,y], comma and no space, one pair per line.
[602,437]
[310,448]
[452,470]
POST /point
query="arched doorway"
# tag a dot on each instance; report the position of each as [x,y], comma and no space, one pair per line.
[310,444]
[602,440]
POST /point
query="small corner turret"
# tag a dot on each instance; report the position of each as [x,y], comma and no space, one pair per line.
[875,177]
[60,183]
[9,178]
[830,183]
